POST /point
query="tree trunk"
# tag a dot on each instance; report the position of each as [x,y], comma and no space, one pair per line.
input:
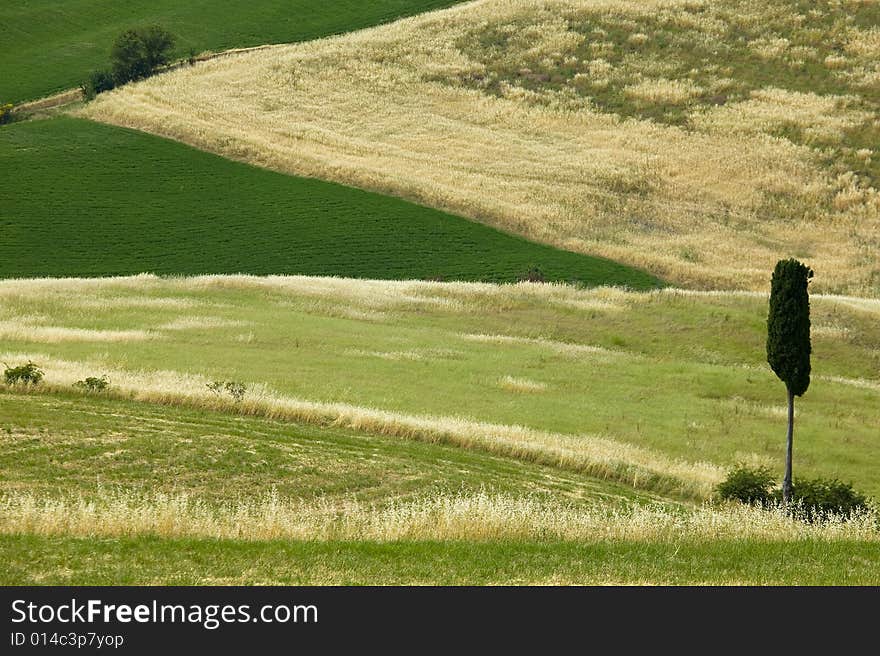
[786,482]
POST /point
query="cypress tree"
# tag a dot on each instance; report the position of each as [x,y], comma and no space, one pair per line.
[788,341]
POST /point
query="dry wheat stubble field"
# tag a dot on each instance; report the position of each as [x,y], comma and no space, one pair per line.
[699,140]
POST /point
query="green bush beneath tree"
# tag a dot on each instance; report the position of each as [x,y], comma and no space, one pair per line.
[812,499]
[747,485]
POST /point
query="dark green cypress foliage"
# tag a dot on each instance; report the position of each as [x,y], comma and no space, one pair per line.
[788,341]
[788,325]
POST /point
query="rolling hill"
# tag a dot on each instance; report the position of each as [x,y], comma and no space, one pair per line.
[295,271]
[416,433]
[48,46]
[700,141]
[660,390]
[93,200]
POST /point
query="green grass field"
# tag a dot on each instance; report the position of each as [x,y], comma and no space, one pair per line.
[69,445]
[94,200]
[48,46]
[403,484]
[680,374]
[395,428]
[140,561]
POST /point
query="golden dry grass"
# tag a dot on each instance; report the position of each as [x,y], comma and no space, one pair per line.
[365,296]
[357,296]
[200,323]
[29,331]
[399,109]
[823,119]
[521,385]
[473,516]
[662,90]
[562,348]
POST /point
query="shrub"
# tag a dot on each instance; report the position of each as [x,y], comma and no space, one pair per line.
[812,499]
[534,274]
[747,485]
[92,384]
[137,53]
[819,498]
[234,388]
[6,113]
[98,82]
[27,374]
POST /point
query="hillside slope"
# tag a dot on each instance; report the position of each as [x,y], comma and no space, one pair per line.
[48,46]
[95,200]
[660,390]
[361,450]
[70,445]
[700,140]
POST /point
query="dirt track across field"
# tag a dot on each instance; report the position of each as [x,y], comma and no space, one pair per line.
[70,96]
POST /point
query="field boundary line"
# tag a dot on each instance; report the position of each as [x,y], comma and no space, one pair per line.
[74,95]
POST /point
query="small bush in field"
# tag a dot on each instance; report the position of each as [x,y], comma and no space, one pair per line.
[26,374]
[92,384]
[747,485]
[234,388]
[534,274]
[98,82]
[6,113]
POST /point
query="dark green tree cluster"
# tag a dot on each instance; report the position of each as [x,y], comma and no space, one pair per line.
[136,54]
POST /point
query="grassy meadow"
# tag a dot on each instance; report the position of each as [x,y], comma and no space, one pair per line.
[697,140]
[69,445]
[151,560]
[169,209]
[48,46]
[502,433]
[666,380]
